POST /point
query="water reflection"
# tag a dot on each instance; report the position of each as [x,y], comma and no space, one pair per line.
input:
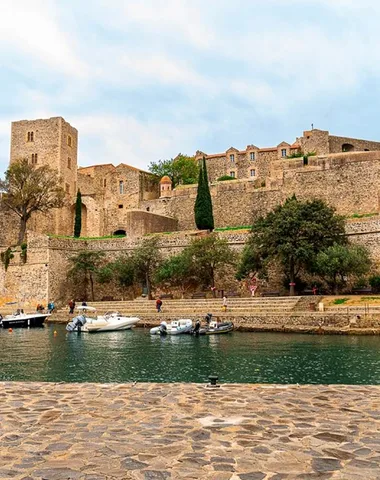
[135,355]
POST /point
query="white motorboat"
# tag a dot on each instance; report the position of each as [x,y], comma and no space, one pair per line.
[87,321]
[23,320]
[176,327]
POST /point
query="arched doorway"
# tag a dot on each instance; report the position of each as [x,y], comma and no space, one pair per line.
[347,147]
[120,233]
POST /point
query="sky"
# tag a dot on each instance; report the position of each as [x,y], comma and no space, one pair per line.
[143,80]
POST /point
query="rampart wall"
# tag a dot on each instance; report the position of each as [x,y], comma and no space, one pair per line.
[44,276]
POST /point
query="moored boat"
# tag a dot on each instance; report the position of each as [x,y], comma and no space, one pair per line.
[216,328]
[23,320]
[176,327]
[87,321]
[213,327]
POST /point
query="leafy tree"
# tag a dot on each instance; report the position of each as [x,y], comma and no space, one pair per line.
[338,262]
[124,269]
[181,170]
[146,259]
[204,218]
[178,271]
[210,255]
[29,189]
[78,215]
[85,266]
[292,234]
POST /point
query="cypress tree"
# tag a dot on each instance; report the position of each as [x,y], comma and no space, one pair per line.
[78,215]
[204,219]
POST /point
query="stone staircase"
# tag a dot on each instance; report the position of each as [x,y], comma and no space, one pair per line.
[236,306]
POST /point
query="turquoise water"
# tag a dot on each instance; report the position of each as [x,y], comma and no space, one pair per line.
[133,355]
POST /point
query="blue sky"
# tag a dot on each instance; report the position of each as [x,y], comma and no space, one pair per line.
[143,80]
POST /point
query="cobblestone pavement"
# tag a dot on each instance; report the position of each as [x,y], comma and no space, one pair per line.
[188,431]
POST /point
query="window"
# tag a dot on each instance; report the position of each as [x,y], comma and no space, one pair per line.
[34,158]
[283,152]
[67,188]
[69,163]
[232,174]
[30,136]
[252,156]
[120,206]
[104,182]
[232,158]
[121,187]
[69,140]
[253,172]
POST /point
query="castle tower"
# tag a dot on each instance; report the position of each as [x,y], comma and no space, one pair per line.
[52,142]
[165,187]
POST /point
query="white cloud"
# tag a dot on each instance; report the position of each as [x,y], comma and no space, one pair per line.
[123,139]
[32,29]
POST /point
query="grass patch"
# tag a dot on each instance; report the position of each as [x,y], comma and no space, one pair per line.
[370,298]
[340,301]
[363,215]
[67,237]
[228,229]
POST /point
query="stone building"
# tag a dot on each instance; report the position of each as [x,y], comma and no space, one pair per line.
[254,162]
[124,200]
[128,201]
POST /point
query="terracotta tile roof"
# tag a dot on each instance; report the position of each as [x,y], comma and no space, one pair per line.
[269,149]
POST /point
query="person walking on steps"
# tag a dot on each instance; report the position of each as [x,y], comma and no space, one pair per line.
[158,305]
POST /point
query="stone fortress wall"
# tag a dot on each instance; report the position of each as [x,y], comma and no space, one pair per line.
[342,171]
[43,276]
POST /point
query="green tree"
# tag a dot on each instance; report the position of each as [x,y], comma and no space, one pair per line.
[210,256]
[338,263]
[292,234]
[85,267]
[181,170]
[78,215]
[29,189]
[178,271]
[124,269]
[203,214]
[146,259]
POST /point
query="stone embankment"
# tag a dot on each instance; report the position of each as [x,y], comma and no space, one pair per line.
[279,314]
[189,431]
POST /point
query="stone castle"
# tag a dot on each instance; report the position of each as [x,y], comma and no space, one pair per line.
[126,200]
[345,172]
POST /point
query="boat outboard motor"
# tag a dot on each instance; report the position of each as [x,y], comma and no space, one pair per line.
[196,328]
[208,318]
[163,328]
[76,322]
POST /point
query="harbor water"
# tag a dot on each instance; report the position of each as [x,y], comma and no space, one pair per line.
[134,355]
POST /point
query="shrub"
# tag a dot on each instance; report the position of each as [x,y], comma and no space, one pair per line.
[374,281]
[340,301]
[6,257]
[24,252]
[223,178]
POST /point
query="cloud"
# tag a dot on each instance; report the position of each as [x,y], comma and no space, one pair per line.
[143,80]
[32,29]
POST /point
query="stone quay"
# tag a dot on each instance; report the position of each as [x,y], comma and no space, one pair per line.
[146,431]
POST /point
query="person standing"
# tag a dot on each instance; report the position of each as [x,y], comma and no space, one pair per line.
[158,305]
[71,306]
[225,303]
